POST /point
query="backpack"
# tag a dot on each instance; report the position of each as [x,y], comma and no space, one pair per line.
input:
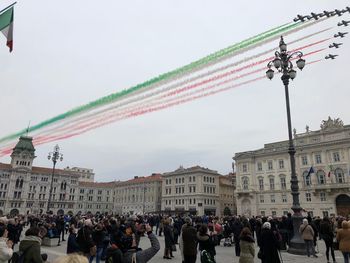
[206,258]
[17,257]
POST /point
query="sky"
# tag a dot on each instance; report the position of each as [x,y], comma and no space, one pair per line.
[68,53]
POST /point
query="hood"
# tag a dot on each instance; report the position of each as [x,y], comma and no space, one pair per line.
[345,224]
[28,241]
[202,238]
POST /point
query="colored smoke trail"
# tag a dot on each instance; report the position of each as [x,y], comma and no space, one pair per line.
[176,92]
[93,115]
[152,109]
[112,97]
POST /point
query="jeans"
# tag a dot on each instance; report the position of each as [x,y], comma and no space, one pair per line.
[99,254]
[346,256]
[310,249]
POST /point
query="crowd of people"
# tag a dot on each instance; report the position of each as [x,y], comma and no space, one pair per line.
[116,239]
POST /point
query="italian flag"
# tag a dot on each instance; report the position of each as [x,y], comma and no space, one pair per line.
[6,26]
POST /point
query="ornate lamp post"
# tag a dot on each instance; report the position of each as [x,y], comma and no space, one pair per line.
[54,156]
[282,63]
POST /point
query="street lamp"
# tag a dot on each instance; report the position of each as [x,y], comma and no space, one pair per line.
[54,156]
[282,63]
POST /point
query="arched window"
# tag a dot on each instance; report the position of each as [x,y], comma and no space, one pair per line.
[339,176]
[245,183]
[17,183]
[321,177]
[21,183]
[307,179]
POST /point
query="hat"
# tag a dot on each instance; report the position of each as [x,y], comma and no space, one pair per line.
[188,220]
[266,225]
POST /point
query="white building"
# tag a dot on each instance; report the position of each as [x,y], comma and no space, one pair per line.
[263,176]
[194,190]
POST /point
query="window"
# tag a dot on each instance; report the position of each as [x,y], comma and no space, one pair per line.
[259,166]
[307,179]
[318,158]
[261,183]
[244,168]
[283,183]
[262,200]
[284,198]
[323,197]
[304,160]
[321,178]
[274,213]
[339,176]
[262,213]
[273,199]
[308,197]
[325,213]
[281,164]
[269,165]
[272,183]
[336,157]
[245,183]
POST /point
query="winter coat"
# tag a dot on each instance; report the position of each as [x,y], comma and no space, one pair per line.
[326,232]
[168,236]
[30,245]
[189,239]
[343,236]
[143,256]
[5,251]
[247,250]
[269,247]
[72,244]
[84,239]
[98,236]
[206,243]
[306,231]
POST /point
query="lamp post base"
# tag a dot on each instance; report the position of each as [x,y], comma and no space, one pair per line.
[297,245]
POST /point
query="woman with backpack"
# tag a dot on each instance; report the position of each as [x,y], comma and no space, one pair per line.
[206,243]
[307,233]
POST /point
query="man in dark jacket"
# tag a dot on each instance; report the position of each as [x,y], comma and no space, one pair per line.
[189,241]
[84,238]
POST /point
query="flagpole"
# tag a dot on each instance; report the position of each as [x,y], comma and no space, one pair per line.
[8,7]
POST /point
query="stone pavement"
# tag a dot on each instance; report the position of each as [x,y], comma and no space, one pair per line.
[224,254]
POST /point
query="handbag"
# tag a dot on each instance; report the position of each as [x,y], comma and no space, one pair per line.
[93,251]
[173,248]
[335,244]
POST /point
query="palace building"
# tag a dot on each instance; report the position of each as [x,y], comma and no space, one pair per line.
[322,166]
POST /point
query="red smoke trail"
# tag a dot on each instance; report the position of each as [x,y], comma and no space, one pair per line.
[110,115]
[152,109]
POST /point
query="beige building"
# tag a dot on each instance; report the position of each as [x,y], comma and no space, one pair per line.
[194,190]
[226,194]
[139,195]
[263,176]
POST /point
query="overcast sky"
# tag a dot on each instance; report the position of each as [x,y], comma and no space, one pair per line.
[68,53]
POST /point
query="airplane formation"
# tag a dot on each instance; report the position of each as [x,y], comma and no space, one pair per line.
[316,16]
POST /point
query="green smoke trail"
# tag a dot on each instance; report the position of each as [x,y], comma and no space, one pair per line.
[112,97]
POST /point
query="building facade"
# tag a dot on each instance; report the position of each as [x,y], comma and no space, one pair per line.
[322,166]
[226,195]
[194,190]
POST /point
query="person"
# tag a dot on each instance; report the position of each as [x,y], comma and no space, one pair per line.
[206,242]
[168,239]
[188,241]
[307,233]
[98,236]
[326,233]
[84,240]
[343,237]
[30,245]
[237,229]
[72,244]
[133,254]
[5,245]
[72,258]
[268,245]
[246,244]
